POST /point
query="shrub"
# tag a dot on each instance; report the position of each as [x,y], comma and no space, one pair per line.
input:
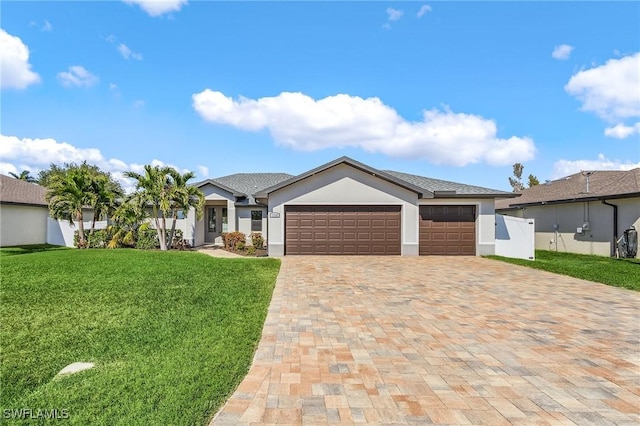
[234,241]
[257,240]
[251,250]
[147,238]
[99,239]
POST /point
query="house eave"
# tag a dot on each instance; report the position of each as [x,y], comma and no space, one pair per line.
[570,200]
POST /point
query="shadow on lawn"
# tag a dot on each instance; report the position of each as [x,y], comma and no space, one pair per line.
[33,248]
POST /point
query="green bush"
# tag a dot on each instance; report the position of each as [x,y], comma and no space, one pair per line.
[147,239]
[257,240]
[99,239]
[251,250]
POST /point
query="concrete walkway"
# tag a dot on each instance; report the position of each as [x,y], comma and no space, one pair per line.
[391,340]
[216,251]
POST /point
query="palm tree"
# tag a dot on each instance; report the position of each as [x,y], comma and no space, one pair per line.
[68,194]
[154,189]
[24,175]
[104,191]
[184,197]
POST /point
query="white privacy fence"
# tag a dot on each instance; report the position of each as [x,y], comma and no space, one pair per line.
[60,232]
[515,237]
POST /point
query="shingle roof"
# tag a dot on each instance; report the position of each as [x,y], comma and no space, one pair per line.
[602,184]
[247,184]
[451,188]
[251,184]
[15,191]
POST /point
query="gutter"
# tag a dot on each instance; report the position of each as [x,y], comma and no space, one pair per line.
[615,226]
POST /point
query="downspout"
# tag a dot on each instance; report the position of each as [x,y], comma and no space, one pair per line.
[615,226]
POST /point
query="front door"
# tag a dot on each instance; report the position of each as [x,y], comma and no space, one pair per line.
[216,223]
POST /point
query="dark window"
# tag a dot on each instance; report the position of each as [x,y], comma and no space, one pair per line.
[256,221]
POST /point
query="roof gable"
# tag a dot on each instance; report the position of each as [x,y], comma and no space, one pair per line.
[349,162]
[16,191]
[597,184]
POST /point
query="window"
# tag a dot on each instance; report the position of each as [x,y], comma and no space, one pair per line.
[212,219]
[225,220]
[256,220]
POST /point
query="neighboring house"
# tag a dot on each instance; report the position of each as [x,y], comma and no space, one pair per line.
[346,207]
[23,212]
[586,212]
[24,216]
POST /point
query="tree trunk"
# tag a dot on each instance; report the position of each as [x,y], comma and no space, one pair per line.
[93,224]
[162,235]
[173,228]
[81,241]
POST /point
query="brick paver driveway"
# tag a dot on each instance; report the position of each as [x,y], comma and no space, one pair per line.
[389,340]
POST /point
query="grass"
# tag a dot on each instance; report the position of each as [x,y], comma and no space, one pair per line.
[606,270]
[171,333]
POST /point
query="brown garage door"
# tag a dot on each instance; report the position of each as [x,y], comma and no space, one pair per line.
[447,230]
[363,230]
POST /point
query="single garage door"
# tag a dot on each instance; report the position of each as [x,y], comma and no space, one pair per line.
[362,230]
[447,230]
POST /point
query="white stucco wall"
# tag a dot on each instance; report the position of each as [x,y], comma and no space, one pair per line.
[343,185]
[244,221]
[556,225]
[20,225]
[485,220]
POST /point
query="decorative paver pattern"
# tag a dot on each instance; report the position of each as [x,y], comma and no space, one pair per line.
[443,340]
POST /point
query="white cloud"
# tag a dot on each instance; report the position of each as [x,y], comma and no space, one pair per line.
[128,53]
[299,122]
[158,7]
[621,131]
[203,172]
[139,103]
[15,69]
[6,168]
[394,14]
[424,9]
[113,86]
[46,26]
[610,90]
[563,168]
[562,52]
[38,154]
[77,76]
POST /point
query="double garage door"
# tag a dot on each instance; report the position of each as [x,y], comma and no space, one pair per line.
[376,230]
[372,230]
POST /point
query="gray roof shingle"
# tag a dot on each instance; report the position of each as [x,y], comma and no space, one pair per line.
[458,189]
[15,191]
[247,184]
[252,184]
[602,183]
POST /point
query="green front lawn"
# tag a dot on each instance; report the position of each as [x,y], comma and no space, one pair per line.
[616,272]
[171,333]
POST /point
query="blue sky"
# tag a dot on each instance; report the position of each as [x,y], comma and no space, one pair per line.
[452,90]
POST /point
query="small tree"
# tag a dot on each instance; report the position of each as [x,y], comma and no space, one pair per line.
[154,189]
[516,180]
[68,193]
[183,198]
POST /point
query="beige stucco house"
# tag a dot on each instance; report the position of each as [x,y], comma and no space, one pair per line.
[347,207]
[586,212]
